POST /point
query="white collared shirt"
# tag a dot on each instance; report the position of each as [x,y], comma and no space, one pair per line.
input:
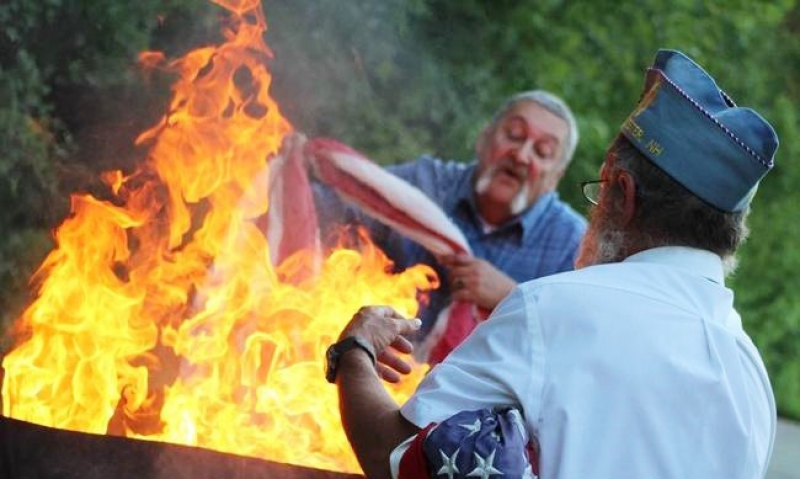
[638,370]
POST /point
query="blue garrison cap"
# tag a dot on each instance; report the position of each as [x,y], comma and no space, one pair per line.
[693,131]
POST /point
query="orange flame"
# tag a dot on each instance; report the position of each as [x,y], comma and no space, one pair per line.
[160,316]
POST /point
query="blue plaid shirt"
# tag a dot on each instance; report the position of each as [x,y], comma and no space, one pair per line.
[542,240]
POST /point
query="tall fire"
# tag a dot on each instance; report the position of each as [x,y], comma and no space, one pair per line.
[160,316]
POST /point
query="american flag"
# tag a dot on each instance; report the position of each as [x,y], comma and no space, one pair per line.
[471,444]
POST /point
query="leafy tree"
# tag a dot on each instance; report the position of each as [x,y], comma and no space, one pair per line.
[60,61]
[397,79]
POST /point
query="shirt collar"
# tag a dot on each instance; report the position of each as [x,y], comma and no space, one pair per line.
[693,260]
[530,218]
[525,221]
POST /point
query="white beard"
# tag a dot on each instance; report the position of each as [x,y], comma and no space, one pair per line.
[483,181]
[609,247]
[520,200]
[603,243]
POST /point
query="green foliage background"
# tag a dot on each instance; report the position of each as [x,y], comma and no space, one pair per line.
[396,78]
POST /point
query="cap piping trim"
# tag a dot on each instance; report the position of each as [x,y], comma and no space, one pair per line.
[768,164]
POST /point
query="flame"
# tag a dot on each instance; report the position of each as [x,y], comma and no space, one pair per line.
[159,315]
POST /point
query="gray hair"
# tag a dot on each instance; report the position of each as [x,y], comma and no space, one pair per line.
[554,105]
[668,214]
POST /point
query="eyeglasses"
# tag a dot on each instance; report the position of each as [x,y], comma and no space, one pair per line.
[591,190]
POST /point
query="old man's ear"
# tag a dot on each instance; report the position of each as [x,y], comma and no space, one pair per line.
[627,187]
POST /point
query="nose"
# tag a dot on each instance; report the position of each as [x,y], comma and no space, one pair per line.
[526,155]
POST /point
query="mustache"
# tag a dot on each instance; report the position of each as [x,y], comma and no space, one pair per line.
[510,167]
[521,172]
[520,201]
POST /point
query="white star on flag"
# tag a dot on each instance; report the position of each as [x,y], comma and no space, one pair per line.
[485,467]
[472,428]
[448,464]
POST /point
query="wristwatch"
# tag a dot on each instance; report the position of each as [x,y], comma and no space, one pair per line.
[336,350]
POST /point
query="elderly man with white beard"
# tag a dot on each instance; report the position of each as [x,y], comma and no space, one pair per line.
[634,366]
[505,203]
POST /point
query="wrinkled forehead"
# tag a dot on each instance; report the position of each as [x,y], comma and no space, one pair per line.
[536,118]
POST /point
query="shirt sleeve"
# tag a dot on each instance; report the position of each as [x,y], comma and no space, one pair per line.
[572,247]
[439,180]
[500,364]
[334,212]
[572,228]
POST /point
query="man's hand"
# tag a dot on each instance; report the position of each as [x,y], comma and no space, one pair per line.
[370,417]
[383,328]
[476,280]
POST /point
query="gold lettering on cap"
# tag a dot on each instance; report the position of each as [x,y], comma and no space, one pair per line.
[633,128]
[654,147]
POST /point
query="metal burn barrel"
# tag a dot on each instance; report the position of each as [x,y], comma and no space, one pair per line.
[30,451]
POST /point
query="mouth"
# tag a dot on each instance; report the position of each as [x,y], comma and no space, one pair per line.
[503,173]
[509,172]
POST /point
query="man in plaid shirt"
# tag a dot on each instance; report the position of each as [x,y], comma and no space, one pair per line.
[505,203]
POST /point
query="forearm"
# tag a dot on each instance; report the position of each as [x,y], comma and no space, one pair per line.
[370,417]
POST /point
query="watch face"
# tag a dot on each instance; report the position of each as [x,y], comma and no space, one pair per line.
[330,363]
[336,350]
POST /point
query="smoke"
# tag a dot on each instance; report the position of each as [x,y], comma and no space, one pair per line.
[116,99]
[363,73]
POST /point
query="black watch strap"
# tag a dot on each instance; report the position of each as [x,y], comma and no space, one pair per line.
[335,352]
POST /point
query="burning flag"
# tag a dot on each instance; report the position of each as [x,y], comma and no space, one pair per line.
[160,314]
